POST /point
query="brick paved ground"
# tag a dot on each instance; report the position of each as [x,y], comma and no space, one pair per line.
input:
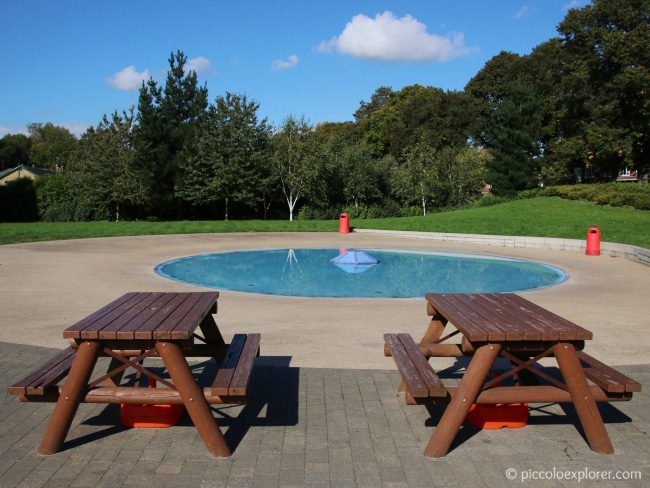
[308,427]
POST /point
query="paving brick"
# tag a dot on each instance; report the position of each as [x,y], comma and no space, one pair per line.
[348,428]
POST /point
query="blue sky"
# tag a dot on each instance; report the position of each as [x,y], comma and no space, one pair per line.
[69,62]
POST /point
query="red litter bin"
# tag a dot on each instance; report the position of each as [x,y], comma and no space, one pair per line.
[344,223]
[593,241]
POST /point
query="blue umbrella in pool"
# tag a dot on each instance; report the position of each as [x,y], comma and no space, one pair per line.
[354,261]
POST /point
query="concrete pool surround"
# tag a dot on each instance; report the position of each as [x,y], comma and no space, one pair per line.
[47,286]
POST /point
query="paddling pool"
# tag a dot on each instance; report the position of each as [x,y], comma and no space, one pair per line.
[398,274]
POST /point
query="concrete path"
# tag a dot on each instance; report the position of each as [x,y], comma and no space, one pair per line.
[44,287]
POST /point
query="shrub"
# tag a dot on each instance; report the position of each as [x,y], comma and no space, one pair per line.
[18,201]
[613,194]
[56,199]
[489,200]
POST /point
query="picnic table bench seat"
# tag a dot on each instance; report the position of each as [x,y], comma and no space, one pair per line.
[43,380]
[235,369]
[231,380]
[606,377]
[420,380]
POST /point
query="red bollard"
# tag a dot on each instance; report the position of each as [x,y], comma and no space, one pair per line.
[344,223]
[593,241]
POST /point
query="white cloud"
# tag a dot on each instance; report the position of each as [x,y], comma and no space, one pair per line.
[128,78]
[521,12]
[6,129]
[77,128]
[200,65]
[282,64]
[574,4]
[388,38]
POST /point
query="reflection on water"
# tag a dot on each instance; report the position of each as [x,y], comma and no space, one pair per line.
[399,274]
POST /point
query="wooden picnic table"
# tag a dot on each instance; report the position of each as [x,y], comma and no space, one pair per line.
[128,330]
[506,325]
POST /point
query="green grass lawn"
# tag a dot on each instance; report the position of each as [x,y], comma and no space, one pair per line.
[543,217]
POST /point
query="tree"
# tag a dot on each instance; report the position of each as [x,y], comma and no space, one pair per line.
[604,91]
[362,176]
[444,118]
[513,135]
[228,164]
[51,145]
[295,160]
[378,100]
[14,150]
[108,175]
[417,179]
[167,119]
[463,173]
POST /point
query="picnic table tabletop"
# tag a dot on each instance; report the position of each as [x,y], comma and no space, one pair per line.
[503,317]
[146,316]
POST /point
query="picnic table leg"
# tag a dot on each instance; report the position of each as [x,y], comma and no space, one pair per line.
[466,393]
[583,399]
[193,398]
[70,397]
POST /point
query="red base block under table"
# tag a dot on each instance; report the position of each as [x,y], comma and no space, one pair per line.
[150,416]
[498,416]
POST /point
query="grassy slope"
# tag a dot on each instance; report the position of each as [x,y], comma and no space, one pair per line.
[548,217]
[543,217]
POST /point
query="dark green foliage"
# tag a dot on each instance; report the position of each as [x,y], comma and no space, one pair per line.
[51,145]
[613,194]
[14,150]
[56,198]
[513,134]
[167,118]
[108,177]
[229,164]
[399,120]
[18,201]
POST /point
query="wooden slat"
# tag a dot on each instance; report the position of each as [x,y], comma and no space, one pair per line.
[470,329]
[493,315]
[462,315]
[186,326]
[74,331]
[525,314]
[435,386]
[509,317]
[239,383]
[112,329]
[414,383]
[606,377]
[552,324]
[164,330]
[145,331]
[94,331]
[568,330]
[20,387]
[50,379]
[128,331]
[228,365]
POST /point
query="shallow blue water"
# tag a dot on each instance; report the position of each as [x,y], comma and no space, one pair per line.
[399,274]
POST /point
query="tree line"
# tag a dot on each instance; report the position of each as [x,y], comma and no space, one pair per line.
[576,107]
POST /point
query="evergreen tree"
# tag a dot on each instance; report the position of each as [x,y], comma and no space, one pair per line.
[513,135]
[167,119]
